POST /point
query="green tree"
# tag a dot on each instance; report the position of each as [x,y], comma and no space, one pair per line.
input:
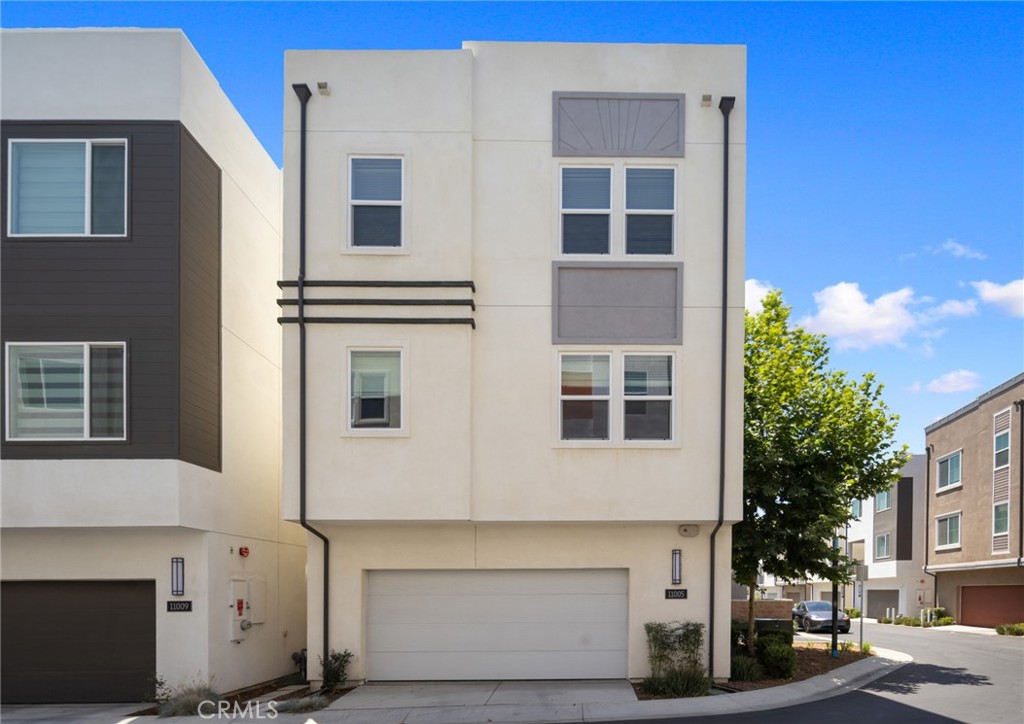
[814,440]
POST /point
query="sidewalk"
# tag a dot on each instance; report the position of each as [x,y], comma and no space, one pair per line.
[521,702]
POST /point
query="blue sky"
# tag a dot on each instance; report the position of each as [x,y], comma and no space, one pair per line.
[885,182]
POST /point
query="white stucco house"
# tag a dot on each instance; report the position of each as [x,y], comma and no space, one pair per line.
[512,308]
[142,534]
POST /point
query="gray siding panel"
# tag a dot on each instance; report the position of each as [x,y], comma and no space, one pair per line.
[617,303]
[200,419]
[106,290]
[618,124]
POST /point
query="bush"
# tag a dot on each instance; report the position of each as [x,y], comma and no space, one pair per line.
[779,628]
[785,637]
[1010,629]
[738,634]
[745,668]
[944,621]
[884,619]
[852,612]
[865,648]
[777,658]
[678,682]
[185,700]
[335,668]
[907,621]
[846,645]
[675,652]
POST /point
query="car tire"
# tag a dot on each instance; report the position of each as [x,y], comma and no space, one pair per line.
[807,625]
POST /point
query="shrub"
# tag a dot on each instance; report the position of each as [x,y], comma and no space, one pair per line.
[186,699]
[674,645]
[846,645]
[852,612]
[678,682]
[780,629]
[745,668]
[302,705]
[865,648]
[738,634]
[944,621]
[777,658]
[907,621]
[884,619]
[335,668]
[785,637]
[1010,629]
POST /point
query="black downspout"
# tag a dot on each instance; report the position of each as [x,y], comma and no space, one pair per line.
[725,106]
[304,94]
[927,520]
[1019,405]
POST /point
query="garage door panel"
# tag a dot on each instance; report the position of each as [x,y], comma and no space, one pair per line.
[450,625]
[991,606]
[506,583]
[493,665]
[487,637]
[472,608]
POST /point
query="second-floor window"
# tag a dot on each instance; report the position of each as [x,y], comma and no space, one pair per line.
[375,389]
[586,210]
[375,202]
[883,501]
[947,531]
[67,187]
[882,545]
[1000,518]
[66,391]
[1001,447]
[948,471]
[855,508]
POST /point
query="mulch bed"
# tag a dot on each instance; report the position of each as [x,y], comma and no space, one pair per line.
[811,660]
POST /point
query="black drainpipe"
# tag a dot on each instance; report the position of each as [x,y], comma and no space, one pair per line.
[304,94]
[927,520]
[1019,406]
[725,106]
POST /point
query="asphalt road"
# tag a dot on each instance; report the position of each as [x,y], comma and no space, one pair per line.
[955,677]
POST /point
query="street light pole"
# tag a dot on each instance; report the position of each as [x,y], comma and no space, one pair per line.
[835,596]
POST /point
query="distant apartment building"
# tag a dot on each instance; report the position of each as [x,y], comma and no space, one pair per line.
[975,543]
[142,537]
[512,353]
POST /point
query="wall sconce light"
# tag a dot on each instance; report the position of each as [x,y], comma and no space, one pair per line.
[677,567]
[322,88]
[177,576]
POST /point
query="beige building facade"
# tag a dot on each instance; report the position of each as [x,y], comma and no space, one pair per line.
[973,521]
[507,414]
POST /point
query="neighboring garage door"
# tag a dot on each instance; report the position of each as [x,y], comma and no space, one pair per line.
[77,641]
[991,605]
[452,625]
[879,601]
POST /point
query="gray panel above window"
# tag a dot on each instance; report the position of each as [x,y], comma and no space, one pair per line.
[618,124]
[617,303]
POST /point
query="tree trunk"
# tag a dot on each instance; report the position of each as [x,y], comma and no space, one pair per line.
[750,618]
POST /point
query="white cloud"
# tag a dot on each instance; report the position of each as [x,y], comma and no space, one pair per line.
[950,308]
[955,381]
[1009,297]
[846,315]
[958,250]
[754,292]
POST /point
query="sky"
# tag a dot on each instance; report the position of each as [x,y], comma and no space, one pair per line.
[885,151]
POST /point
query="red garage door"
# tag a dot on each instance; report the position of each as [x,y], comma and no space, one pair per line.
[991,606]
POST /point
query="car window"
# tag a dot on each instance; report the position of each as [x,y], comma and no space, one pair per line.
[819,606]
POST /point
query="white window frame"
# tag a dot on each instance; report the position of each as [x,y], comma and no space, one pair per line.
[887,537]
[996,450]
[89,143]
[348,429]
[402,247]
[627,212]
[946,458]
[995,532]
[888,501]
[959,530]
[617,212]
[616,399]
[609,212]
[86,396]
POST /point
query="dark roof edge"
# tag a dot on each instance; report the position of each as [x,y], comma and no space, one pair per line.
[971,406]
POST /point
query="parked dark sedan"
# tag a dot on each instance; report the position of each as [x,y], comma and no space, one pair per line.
[817,616]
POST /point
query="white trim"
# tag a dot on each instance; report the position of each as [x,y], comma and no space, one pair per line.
[977,565]
[87,191]
[86,396]
[959,530]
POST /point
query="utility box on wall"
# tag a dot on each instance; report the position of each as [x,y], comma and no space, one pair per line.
[238,616]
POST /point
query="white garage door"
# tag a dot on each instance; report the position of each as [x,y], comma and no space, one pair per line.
[452,625]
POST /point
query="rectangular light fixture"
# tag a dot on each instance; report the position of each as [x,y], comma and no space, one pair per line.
[677,567]
[177,576]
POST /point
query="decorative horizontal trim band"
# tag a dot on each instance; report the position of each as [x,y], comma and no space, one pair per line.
[378,320]
[974,565]
[392,284]
[383,302]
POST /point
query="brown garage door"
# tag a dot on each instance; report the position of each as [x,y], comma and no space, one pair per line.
[77,641]
[991,605]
